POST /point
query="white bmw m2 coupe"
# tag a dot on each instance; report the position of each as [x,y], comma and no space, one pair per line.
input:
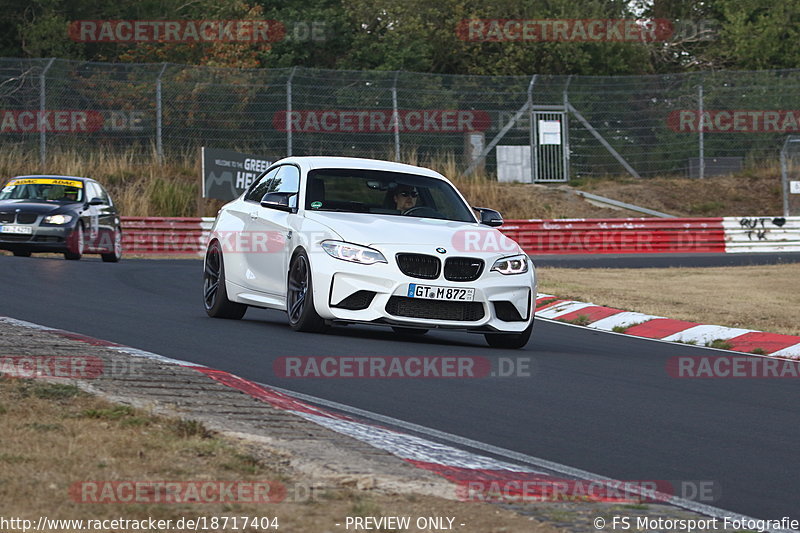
[342,240]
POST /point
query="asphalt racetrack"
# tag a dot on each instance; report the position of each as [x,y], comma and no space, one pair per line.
[596,401]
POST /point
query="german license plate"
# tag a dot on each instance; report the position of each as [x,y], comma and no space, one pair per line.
[453,294]
[24,230]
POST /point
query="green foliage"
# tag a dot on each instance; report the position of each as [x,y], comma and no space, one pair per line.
[114,413]
[721,344]
[580,320]
[419,35]
[48,391]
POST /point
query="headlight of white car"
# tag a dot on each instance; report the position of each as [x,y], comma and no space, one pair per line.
[517,264]
[57,219]
[353,252]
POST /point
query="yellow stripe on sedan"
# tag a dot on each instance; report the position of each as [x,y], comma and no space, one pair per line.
[48,181]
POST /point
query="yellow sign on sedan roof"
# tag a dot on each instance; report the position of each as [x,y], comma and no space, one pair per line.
[48,181]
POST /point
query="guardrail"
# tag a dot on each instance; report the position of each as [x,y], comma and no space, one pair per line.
[165,235]
[762,234]
[617,235]
[188,236]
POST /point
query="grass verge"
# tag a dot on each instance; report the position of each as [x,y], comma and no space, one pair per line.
[143,186]
[55,435]
[762,298]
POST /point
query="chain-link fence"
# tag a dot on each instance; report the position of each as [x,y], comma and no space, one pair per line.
[694,124]
[790,175]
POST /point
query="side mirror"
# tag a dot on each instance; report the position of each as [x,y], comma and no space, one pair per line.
[278,200]
[96,201]
[489,217]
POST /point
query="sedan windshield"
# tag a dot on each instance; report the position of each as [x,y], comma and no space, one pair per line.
[384,193]
[43,190]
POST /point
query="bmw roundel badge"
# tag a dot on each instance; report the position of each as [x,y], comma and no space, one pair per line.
[441,250]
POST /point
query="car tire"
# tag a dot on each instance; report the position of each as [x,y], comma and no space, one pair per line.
[510,341]
[410,331]
[116,253]
[75,244]
[300,296]
[215,295]
[21,253]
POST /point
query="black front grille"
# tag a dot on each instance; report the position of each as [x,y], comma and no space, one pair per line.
[47,238]
[357,301]
[26,218]
[434,309]
[14,237]
[462,268]
[6,217]
[419,265]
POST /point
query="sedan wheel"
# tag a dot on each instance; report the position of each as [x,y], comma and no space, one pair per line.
[75,245]
[116,253]
[215,296]
[300,297]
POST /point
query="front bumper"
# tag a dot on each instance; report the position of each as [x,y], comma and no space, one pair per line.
[42,239]
[350,292]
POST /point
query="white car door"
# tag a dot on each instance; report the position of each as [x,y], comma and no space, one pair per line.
[232,232]
[269,235]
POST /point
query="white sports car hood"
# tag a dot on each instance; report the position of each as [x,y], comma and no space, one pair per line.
[374,230]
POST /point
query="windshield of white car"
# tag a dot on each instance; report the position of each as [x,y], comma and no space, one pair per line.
[42,192]
[380,192]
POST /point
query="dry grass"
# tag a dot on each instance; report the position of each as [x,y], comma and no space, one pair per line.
[753,192]
[139,184]
[763,298]
[54,436]
[142,186]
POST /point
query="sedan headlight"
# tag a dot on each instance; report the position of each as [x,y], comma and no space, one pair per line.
[353,252]
[57,219]
[517,264]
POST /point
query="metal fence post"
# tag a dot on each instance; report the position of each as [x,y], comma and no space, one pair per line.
[159,144]
[497,138]
[40,121]
[566,128]
[701,136]
[532,141]
[396,119]
[289,112]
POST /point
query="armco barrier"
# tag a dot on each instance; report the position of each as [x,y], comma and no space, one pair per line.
[164,235]
[617,235]
[762,234]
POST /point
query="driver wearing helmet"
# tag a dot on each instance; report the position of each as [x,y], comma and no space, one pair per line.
[71,195]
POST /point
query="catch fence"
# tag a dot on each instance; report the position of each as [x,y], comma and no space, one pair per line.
[550,127]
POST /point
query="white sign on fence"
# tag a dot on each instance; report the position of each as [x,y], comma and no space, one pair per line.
[794,187]
[514,164]
[549,132]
